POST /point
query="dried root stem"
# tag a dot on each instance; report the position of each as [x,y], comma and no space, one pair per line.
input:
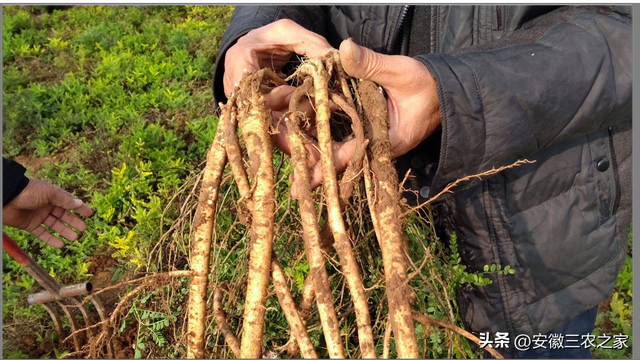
[342,244]
[221,320]
[102,339]
[385,209]
[429,321]
[449,188]
[255,130]
[311,234]
[201,246]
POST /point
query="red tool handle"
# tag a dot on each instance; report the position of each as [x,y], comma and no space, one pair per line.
[41,275]
[14,250]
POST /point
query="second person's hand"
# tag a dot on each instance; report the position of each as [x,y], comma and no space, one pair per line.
[42,208]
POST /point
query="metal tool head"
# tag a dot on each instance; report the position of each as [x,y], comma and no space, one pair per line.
[67,297]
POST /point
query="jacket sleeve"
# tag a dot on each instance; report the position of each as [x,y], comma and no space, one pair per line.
[13,180]
[247,18]
[567,74]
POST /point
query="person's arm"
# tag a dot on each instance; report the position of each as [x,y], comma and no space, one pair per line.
[39,207]
[247,18]
[13,180]
[566,75]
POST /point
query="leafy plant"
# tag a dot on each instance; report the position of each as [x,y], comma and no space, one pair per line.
[151,325]
[91,89]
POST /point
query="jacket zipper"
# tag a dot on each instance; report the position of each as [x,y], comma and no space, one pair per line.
[499,16]
[615,192]
[396,34]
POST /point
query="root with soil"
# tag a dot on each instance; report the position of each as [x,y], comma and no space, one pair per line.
[349,233]
[325,85]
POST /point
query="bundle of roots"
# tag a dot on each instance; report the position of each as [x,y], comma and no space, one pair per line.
[362,103]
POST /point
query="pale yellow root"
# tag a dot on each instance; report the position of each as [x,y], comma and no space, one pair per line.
[234,154]
[429,321]
[290,312]
[350,177]
[315,69]
[201,246]
[308,297]
[255,130]
[386,342]
[311,235]
[235,159]
[354,169]
[304,309]
[342,77]
[385,208]
[221,320]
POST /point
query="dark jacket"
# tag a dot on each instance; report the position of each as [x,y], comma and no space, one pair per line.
[13,180]
[514,82]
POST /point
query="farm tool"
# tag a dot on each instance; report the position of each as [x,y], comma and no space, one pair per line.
[67,297]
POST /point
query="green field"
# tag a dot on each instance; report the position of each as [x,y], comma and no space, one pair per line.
[115,104]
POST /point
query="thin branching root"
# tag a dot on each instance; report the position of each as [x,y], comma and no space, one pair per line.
[100,345]
[339,315]
[347,270]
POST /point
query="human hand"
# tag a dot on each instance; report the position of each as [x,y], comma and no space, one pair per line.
[271,46]
[412,101]
[41,204]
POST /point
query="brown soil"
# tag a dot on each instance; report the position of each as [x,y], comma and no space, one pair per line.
[607,325]
[38,71]
[101,267]
[34,164]
[123,343]
[21,338]
[102,158]
[97,161]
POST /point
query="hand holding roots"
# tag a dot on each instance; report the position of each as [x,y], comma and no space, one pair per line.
[326,85]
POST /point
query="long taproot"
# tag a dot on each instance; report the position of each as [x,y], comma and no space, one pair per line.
[201,246]
[385,209]
[315,68]
[311,233]
[255,130]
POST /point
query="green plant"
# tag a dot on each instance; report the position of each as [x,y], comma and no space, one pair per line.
[615,315]
[151,325]
[91,89]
